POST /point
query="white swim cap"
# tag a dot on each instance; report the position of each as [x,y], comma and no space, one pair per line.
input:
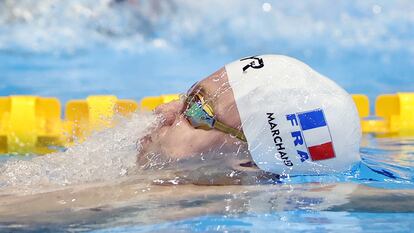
[296,121]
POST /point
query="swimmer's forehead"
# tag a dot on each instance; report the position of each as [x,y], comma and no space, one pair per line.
[209,85]
[218,93]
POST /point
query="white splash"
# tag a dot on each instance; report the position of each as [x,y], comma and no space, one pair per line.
[106,155]
[266,7]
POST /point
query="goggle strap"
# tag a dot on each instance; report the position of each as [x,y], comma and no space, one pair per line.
[227,129]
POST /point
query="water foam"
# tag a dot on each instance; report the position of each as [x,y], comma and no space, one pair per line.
[215,24]
[105,155]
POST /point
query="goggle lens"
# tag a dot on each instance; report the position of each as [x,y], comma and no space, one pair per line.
[201,116]
[197,115]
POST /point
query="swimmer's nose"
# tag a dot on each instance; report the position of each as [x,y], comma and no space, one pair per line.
[170,111]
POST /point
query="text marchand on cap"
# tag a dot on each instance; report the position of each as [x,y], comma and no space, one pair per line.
[278,140]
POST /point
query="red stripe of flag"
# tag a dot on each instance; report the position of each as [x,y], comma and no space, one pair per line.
[322,152]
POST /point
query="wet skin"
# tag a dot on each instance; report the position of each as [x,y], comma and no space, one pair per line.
[177,139]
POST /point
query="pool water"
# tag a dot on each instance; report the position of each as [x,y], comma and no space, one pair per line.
[132,49]
[365,201]
[292,221]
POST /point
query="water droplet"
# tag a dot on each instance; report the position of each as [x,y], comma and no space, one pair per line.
[376,9]
[266,7]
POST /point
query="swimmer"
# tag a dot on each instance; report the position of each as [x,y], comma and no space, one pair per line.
[270,114]
[273,113]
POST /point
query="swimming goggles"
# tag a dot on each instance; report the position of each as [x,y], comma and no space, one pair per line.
[201,116]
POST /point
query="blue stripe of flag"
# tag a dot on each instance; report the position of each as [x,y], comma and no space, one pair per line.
[312,119]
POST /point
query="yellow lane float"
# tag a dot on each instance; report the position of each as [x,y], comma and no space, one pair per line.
[29,124]
[33,125]
[151,102]
[395,115]
[95,113]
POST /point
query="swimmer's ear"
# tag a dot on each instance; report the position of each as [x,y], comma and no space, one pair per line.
[247,165]
[254,175]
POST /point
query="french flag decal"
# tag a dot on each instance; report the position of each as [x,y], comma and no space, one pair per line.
[316,135]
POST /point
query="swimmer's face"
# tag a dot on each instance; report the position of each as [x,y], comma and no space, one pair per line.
[176,138]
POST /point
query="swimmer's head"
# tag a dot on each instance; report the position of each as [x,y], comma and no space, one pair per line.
[295,120]
[176,138]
